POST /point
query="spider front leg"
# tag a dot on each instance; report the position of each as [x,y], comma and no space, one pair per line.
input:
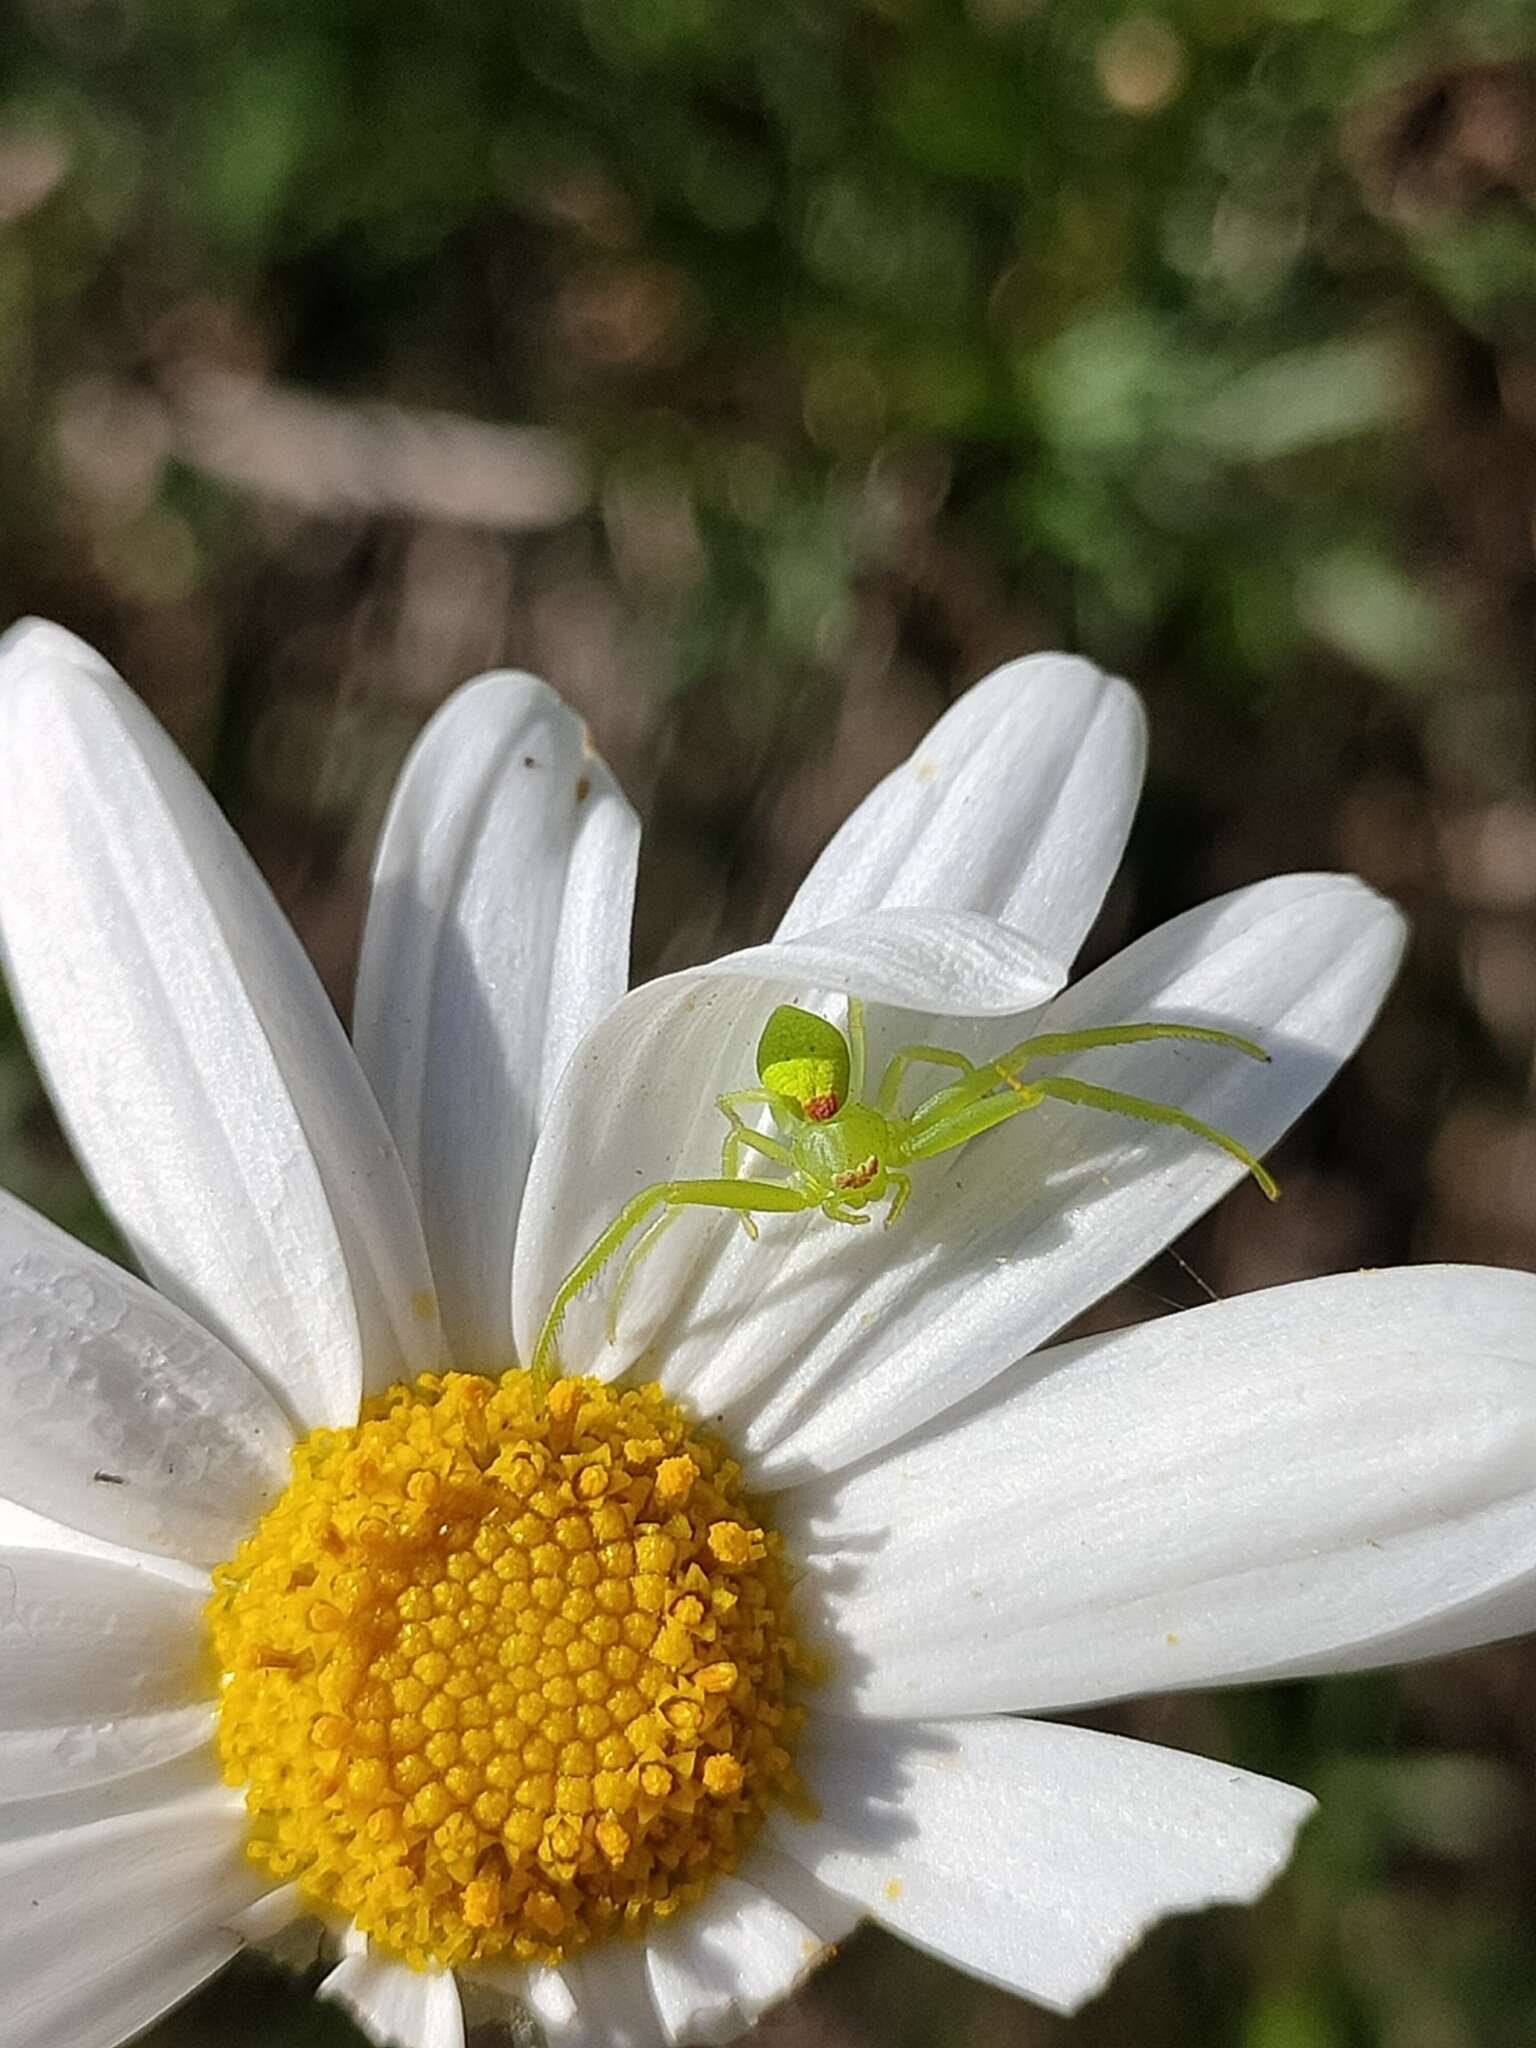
[980,1081]
[1063,1089]
[958,1126]
[857,1049]
[763,1197]
[931,1136]
[913,1055]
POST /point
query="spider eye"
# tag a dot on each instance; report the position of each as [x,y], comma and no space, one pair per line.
[804,1057]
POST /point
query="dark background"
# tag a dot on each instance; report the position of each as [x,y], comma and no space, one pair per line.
[762,373]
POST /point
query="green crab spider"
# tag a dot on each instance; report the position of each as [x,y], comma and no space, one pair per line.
[840,1154]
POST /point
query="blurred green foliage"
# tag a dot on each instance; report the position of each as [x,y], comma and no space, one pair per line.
[896,336]
[1112,258]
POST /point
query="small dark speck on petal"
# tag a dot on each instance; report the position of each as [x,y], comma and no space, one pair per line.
[109,1479]
[529,761]
[583,788]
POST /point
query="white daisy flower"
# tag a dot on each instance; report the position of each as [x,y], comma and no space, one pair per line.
[719,1646]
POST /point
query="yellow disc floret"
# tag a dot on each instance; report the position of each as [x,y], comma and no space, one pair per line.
[502,1676]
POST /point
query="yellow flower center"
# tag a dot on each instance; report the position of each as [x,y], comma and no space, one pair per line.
[500,1676]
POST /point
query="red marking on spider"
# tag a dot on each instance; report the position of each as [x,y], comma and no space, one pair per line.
[821,1107]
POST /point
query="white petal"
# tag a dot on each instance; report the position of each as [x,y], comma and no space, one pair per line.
[497,936]
[24,1529]
[396,2006]
[819,1344]
[1337,1472]
[74,1750]
[955,963]
[549,1998]
[193,1775]
[120,1415]
[272,1916]
[1033,1856]
[1016,804]
[105,1927]
[201,1072]
[637,1102]
[747,1942]
[101,1672]
[828,1915]
[719,1965]
[610,2004]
